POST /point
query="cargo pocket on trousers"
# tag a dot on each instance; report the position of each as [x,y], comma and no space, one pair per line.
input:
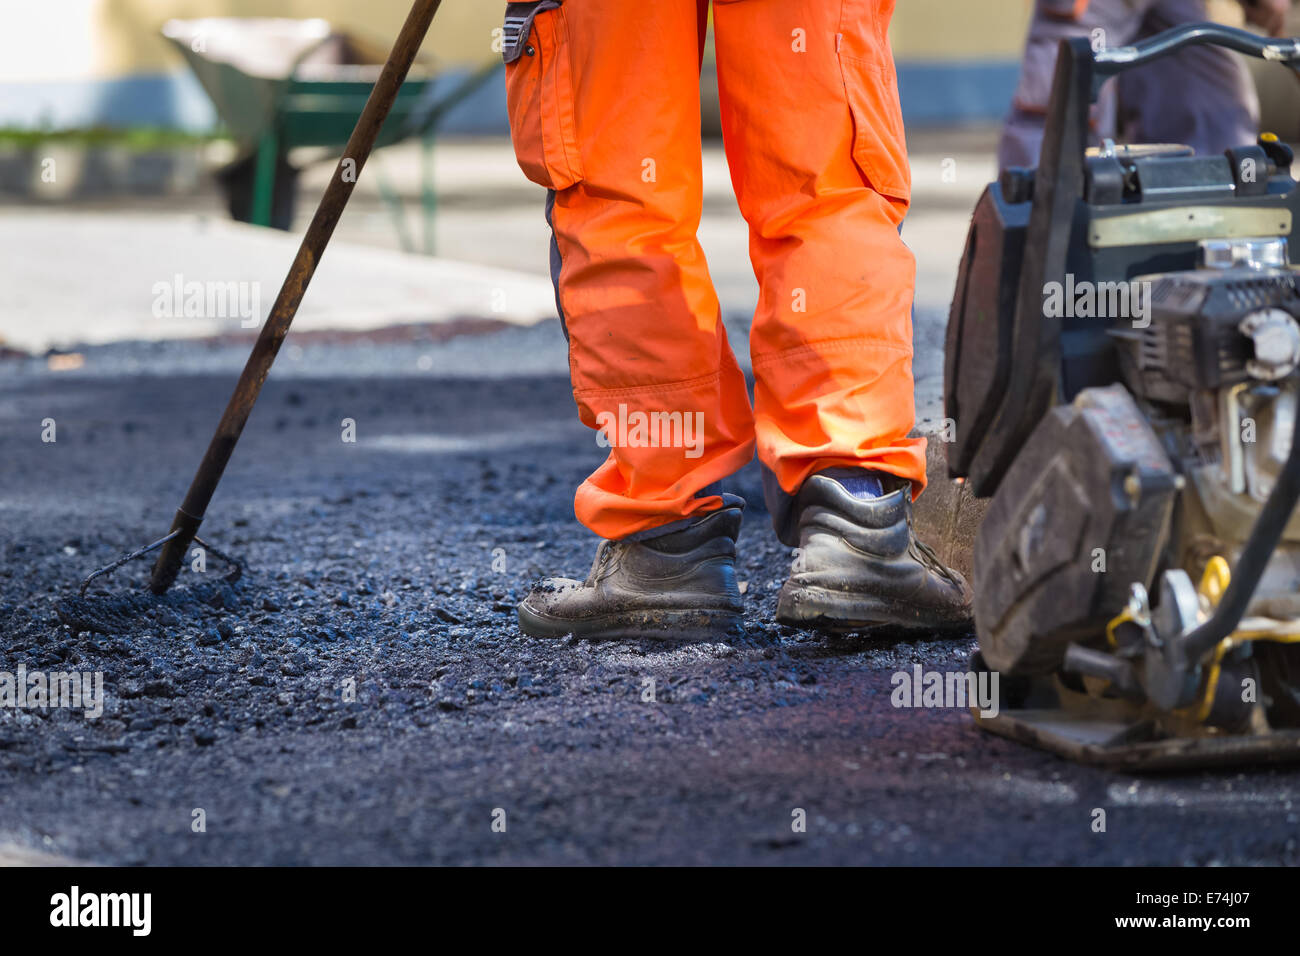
[879,143]
[540,93]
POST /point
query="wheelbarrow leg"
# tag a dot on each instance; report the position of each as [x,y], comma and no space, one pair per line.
[192,509]
[268,148]
[428,194]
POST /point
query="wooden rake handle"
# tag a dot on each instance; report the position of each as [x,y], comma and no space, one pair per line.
[190,514]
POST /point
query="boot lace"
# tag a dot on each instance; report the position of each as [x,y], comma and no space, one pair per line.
[605,552]
[931,560]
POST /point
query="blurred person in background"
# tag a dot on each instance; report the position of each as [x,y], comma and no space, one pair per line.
[1201,96]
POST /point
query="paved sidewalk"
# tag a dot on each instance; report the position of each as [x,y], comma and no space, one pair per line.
[89,274]
[71,278]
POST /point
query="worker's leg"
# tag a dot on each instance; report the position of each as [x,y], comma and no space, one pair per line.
[815,142]
[1202,96]
[605,111]
[1104,22]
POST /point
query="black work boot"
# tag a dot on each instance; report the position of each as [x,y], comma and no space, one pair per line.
[678,586]
[860,565]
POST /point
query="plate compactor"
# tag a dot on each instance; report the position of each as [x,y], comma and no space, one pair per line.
[1123,369]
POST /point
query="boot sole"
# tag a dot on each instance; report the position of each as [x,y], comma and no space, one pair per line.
[821,609]
[693,626]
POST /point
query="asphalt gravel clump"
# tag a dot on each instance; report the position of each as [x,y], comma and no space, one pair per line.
[362,693]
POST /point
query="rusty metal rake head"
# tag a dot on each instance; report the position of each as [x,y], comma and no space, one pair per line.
[235,573]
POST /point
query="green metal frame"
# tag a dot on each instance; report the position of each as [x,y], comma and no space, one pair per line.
[323,112]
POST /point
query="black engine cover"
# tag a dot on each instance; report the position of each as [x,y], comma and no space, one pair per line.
[1101,218]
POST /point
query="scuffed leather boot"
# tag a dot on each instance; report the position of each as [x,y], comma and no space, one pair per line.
[678,586]
[860,565]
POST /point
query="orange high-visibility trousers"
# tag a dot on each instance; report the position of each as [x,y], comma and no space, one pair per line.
[605,112]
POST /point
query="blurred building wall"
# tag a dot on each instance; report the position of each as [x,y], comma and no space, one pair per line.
[71,63]
[102,62]
[958,60]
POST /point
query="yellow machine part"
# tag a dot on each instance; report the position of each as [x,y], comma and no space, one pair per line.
[1214,582]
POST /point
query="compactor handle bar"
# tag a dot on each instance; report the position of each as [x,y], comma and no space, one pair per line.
[1113,61]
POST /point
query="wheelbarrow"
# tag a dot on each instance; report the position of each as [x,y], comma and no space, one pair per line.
[278,84]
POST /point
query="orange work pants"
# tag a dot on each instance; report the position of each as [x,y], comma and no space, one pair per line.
[605,112]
